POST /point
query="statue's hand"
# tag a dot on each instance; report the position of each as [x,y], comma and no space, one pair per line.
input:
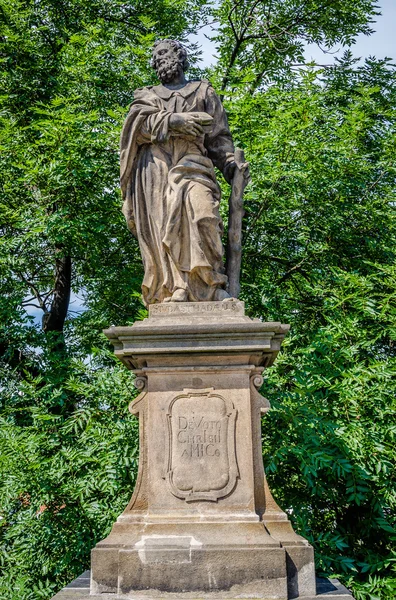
[188,124]
[231,168]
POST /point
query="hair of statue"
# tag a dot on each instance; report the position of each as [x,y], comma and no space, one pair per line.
[182,53]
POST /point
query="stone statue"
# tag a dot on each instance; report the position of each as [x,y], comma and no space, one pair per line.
[202,522]
[173,137]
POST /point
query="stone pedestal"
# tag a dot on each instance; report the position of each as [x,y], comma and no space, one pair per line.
[202,518]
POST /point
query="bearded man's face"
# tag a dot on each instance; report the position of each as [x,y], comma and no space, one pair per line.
[167,62]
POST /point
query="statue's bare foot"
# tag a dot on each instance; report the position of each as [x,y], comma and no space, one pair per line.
[179,295]
[221,294]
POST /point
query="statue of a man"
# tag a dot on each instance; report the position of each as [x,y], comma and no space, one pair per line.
[174,135]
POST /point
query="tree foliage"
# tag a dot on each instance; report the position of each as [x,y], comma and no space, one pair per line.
[319,250]
[319,239]
[68,444]
[259,40]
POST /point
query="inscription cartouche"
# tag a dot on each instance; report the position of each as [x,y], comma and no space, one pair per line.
[200,457]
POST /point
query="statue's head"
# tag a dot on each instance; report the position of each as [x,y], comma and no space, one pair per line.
[169,59]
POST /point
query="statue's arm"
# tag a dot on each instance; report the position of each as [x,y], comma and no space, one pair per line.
[218,141]
[150,120]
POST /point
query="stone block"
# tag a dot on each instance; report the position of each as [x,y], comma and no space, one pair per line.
[327,589]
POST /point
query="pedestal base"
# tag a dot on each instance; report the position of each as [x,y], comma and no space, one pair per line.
[202,519]
[237,558]
[327,589]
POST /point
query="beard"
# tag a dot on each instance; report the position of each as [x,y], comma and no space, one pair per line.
[168,70]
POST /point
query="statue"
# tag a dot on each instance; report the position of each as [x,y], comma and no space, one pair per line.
[173,137]
[202,521]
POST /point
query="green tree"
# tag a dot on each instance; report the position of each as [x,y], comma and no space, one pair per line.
[319,240]
[319,253]
[261,41]
[68,445]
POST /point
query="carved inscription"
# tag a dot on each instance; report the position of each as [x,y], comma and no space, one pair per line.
[199,437]
[201,458]
[176,308]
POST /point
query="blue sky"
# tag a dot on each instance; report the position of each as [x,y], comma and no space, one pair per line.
[380,44]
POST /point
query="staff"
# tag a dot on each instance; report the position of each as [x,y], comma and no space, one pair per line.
[235,214]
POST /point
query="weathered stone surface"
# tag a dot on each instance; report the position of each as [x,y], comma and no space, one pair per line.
[173,137]
[78,590]
[201,517]
[192,339]
[219,311]
[200,446]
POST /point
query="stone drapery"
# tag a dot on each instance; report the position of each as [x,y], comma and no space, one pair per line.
[171,196]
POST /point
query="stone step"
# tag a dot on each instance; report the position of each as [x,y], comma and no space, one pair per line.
[78,589]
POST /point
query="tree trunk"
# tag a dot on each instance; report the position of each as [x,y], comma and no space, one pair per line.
[54,319]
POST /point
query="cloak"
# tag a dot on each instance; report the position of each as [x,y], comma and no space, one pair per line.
[171,196]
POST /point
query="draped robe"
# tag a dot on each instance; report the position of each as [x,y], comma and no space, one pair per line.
[171,196]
